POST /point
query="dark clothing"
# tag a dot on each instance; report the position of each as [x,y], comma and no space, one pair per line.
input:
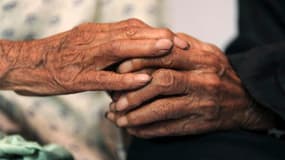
[258,56]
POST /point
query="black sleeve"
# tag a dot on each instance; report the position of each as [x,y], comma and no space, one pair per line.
[262,71]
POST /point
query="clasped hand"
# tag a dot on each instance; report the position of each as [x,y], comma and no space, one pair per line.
[192,91]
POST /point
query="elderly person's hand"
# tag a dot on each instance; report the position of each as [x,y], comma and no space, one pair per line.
[78,60]
[196,92]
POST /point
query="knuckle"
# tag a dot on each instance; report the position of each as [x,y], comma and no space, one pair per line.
[167,61]
[164,78]
[213,82]
[130,31]
[211,47]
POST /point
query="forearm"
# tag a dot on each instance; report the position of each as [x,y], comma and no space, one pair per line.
[23,63]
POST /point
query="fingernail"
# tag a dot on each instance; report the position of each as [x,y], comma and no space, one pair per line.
[164,45]
[142,78]
[123,121]
[181,43]
[122,104]
[111,116]
[125,67]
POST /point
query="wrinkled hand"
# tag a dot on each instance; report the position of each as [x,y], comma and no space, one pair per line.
[78,60]
[202,94]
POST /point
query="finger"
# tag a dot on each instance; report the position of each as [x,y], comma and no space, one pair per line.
[174,60]
[164,82]
[177,59]
[150,33]
[141,33]
[180,127]
[123,49]
[106,27]
[164,109]
[105,80]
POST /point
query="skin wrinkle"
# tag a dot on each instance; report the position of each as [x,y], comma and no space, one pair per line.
[19,60]
[5,67]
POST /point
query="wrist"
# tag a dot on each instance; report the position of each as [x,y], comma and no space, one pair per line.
[20,61]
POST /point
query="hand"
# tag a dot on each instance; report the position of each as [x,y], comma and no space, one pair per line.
[78,60]
[202,94]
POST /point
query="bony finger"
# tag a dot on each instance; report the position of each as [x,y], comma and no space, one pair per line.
[141,33]
[107,27]
[123,49]
[136,64]
[159,110]
[140,79]
[135,33]
[135,98]
[177,59]
[165,32]
[110,81]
